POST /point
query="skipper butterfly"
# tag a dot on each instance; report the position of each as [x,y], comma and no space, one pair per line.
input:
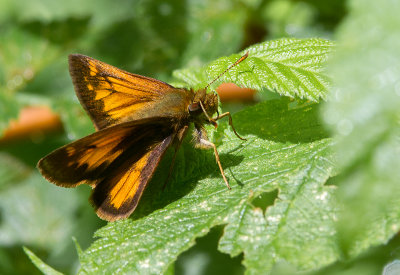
[137,119]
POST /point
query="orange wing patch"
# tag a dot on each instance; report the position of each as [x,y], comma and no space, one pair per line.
[87,160]
[83,160]
[128,185]
[94,155]
[117,196]
[111,95]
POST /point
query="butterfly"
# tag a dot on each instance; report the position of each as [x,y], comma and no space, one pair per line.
[137,119]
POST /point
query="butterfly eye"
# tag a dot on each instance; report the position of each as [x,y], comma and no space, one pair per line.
[194,107]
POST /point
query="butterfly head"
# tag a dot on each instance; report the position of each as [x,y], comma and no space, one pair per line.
[211,103]
[204,104]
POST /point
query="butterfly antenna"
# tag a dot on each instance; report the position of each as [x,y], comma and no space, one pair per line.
[230,67]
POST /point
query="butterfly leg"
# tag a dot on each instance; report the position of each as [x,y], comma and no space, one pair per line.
[230,123]
[178,142]
[201,141]
[212,121]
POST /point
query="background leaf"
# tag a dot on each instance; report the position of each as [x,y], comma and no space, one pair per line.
[18,65]
[12,170]
[40,264]
[364,114]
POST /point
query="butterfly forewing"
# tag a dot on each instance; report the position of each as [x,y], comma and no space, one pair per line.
[84,160]
[111,95]
[90,159]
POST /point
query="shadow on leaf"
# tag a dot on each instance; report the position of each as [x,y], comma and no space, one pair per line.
[191,166]
[281,121]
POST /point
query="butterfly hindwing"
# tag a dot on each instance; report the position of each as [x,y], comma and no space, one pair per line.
[117,195]
[111,95]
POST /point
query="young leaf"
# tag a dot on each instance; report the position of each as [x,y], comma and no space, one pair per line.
[291,67]
[364,114]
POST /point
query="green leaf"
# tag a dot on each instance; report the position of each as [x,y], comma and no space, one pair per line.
[299,227]
[297,164]
[291,67]
[210,36]
[46,269]
[190,77]
[364,113]
[289,18]
[11,170]
[102,11]
[22,55]
[75,120]
[9,108]
[33,204]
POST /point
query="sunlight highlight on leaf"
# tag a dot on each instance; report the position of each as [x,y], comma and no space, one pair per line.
[290,67]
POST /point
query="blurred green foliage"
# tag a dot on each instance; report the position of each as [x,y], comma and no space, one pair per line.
[356,226]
